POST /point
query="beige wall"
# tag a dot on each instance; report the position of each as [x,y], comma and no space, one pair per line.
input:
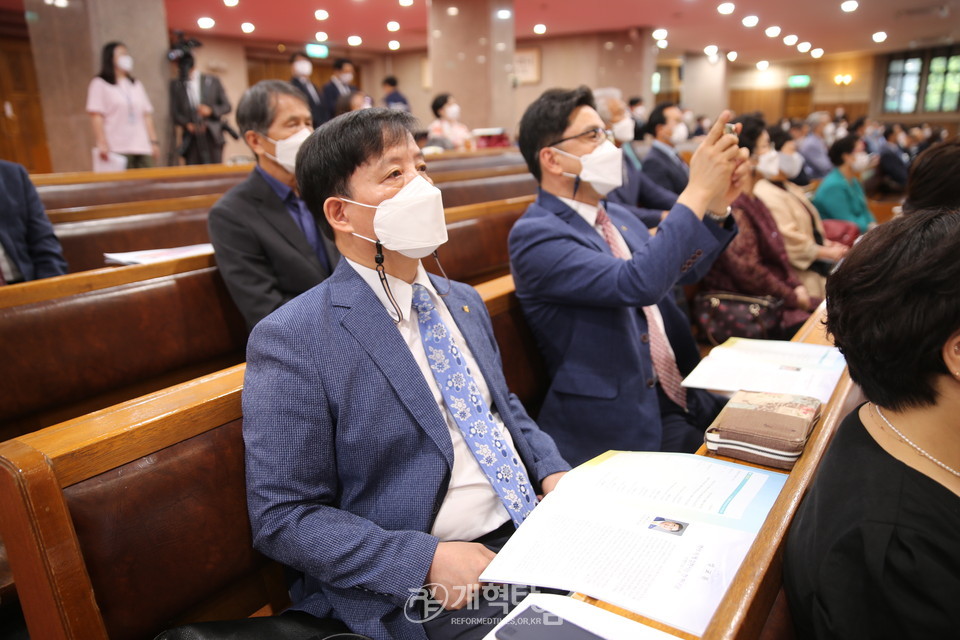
[821,74]
[705,87]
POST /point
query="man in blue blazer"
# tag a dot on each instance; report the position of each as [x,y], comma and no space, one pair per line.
[589,288]
[362,474]
[662,164]
[29,250]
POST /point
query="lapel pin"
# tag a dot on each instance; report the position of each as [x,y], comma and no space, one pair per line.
[623,227]
[466,308]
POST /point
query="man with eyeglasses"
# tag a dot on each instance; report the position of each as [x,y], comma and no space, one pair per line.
[595,286]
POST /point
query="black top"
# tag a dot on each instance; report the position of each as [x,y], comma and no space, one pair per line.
[874,550]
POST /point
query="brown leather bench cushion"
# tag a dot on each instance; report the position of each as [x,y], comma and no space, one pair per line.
[84,243]
[65,350]
[163,533]
[461,192]
[92,193]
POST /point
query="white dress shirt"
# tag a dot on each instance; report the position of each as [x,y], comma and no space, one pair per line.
[589,213]
[471,507]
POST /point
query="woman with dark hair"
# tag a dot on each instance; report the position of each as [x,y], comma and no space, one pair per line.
[840,196]
[120,110]
[873,550]
[932,182]
[447,127]
[755,263]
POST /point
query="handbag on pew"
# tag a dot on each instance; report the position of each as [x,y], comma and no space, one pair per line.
[770,429]
[721,315]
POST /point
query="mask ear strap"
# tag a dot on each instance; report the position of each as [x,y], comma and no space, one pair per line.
[576,185]
[444,273]
[386,286]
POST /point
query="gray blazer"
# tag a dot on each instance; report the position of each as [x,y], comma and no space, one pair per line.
[263,255]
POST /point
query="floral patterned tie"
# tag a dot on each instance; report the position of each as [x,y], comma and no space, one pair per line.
[496,456]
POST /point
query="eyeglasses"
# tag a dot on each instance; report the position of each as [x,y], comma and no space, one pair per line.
[596,136]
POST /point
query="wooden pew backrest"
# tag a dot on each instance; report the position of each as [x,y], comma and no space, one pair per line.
[462,192]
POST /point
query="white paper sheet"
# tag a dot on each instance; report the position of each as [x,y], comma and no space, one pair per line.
[114,161]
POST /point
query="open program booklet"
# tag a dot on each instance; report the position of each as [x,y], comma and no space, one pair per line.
[660,534]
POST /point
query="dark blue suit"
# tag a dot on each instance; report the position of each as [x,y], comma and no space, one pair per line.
[25,231]
[641,195]
[665,171]
[348,455]
[584,306]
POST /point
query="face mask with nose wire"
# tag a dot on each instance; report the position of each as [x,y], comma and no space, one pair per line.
[602,167]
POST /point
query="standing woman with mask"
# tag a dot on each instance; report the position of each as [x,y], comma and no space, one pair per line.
[447,126]
[840,196]
[120,110]
[812,255]
[755,263]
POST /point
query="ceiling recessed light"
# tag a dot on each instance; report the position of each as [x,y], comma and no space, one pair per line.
[452,11]
[731,55]
[231,3]
[880,36]
[504,14]
[772,32]
[354,41]
[394,45]
[726,8]
[763,65]
[816,53]
[790,40]
[540,29]
[750,21]
[662,44]
[711,49]
[320,14]
[205,23]
[393,26]
[321,36]
[849,6]
[406,3]
[247,27]
[659,34]
[803,47]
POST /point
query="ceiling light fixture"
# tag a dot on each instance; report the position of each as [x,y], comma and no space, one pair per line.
[504,14]
[394,45]
[879,36]
[726,8]
[406,3]
[321,36]
[662,44]
[803,47]
[539,29]
[231,3]
[790,40]
[354,41]
[711,49]
[205,23]
[247,27]
[393,26]
[772,32]
[659,34]
[849,6]
[320,14]
[731,55]
[750,21]
[452,11]
[763,65]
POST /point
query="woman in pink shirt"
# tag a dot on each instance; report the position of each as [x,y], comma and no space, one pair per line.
[120,110]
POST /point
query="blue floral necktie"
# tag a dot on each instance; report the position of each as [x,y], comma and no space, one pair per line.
[497,458]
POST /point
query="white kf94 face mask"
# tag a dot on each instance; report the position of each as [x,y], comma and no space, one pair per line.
[411,222]
[602,167]
[287,149]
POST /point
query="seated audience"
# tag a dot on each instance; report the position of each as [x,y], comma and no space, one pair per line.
[840,196]
[392,97]
[811,254]
[894,163]
[353,101]
[638,193]
[384,453]
[266,241]
[872,551]
[813,146]
[447,127]
[755,263]
[596,288]
[663,164]
[932,183]
[29,250]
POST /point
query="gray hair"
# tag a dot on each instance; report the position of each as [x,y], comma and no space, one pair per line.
[601,97]
[817,118]
[258,106]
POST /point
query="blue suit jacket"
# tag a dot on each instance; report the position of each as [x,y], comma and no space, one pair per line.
[641,195]
[664,171]
[584,307]
[348,456]
[25,231]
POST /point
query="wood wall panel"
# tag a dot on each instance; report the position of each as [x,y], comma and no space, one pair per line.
[769,102]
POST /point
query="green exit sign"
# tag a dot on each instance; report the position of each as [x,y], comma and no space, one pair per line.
[798,82]
[315,50]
